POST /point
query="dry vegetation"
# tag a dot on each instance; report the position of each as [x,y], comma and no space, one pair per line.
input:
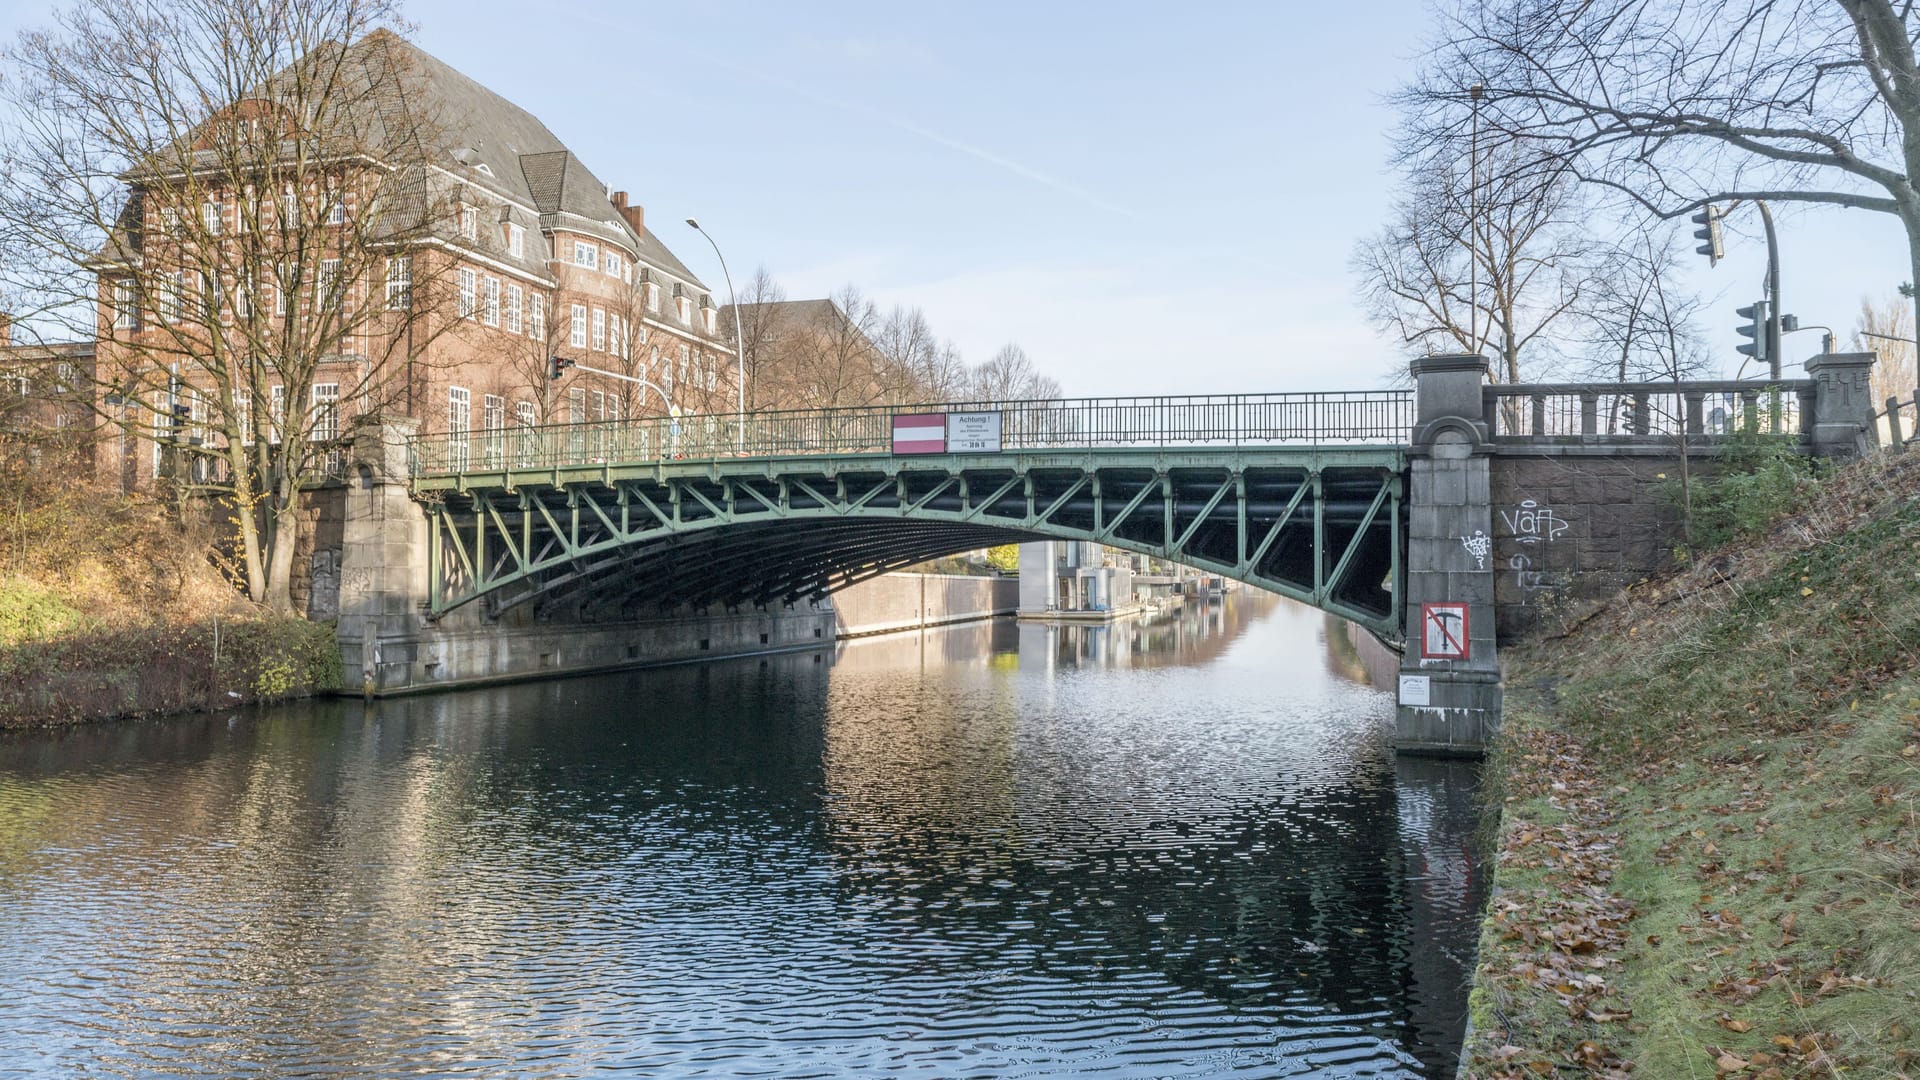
[1710,850]
[109,607]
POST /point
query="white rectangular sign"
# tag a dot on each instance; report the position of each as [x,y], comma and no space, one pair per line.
[973,433]
[1416,689]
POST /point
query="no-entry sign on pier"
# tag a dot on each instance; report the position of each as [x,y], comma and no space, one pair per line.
[1443,631]
[920,433]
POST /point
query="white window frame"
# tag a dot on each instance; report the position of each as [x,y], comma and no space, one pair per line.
[469,222]
[325,411]
[490,314]
[585,254]
[213,215]
[276,412]
[613,263]
[399,282]
[537,317]
[516,240]
[469,286]
[516,304]
[683,308]
[599,330]
[578,336]
[653,296]
[326,287]
[126,305]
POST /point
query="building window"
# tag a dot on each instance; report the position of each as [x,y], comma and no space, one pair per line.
[613,264]
[599,405]
[469,223]
[537,318]
[579,338]
[467,286]
[213,216]
[336,206]
[493,421]
[326,412]
[400,282]
[712,317]
[126,305]
[653,297]
[515,300]
[276,411]
[492,314]
[585,254]
[243,416]
[516,240]
[713,379]
[525,411]
[683,307]
[171,286]
[618,341]
[577,405]
[599,330]
[459,410]
[289,207]
[327,287]
[242,300]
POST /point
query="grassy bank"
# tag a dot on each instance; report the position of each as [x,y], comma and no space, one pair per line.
[1709,855]
[110,606]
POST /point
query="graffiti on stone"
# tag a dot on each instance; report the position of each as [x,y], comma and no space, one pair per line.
[1531,523]
[1524,575]
[1479,545]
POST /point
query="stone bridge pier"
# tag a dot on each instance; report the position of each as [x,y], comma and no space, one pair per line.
[1529,504]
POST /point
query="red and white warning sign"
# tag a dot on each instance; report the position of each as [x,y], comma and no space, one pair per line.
[1443,631]
[920,433]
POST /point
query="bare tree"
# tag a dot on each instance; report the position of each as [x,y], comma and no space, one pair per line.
[1640,324]
[1886,327]
[1493,264]
[1675,104]
[1010,376]
[925,367]
[238,188]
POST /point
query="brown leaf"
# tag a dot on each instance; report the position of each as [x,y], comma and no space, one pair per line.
[1739,1026]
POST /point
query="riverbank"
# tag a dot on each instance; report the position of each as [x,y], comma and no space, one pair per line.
[1709,853]
[110,607]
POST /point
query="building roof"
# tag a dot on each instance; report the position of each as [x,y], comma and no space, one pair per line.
[489,144]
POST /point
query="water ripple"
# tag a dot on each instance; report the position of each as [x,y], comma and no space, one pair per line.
[1164,851]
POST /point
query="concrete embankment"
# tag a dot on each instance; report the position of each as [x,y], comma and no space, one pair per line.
[912,601]
[1708,854]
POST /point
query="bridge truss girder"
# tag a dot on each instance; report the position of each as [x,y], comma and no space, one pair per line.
[1321,527]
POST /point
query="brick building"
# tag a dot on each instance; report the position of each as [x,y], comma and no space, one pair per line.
[521,254]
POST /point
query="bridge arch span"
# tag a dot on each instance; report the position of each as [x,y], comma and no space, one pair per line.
[1322,526]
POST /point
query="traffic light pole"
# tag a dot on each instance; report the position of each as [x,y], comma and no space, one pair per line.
[1772,329]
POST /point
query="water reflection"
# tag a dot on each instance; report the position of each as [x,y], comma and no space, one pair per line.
[1167,847]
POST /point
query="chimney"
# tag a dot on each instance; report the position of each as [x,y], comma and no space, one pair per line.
[635,216]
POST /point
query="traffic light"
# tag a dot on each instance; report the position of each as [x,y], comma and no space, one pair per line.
[560,366]
[1755,327]
[1709,232]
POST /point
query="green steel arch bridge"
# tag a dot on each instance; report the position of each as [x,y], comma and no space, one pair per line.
[1297,493]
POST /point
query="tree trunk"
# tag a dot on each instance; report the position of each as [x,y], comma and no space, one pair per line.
[247,522]
[283,538]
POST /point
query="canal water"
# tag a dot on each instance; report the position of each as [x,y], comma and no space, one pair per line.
[1171,847]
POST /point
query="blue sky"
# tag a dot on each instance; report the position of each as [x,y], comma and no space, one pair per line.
[1153,199]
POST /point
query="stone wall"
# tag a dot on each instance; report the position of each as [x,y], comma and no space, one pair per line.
[467,649]
[909,601]
[316,558]
[1571,529]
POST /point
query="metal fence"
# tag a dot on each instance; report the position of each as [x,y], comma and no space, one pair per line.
[1898,425]
[1377,417]
[1627,410]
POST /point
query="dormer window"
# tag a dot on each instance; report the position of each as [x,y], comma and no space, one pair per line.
[712,317]
[683,307]
[470,223]
[653,296]
[516,240]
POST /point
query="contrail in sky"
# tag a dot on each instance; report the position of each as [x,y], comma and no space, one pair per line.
[900,123]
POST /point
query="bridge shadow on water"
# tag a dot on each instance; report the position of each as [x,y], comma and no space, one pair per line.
[1175,846]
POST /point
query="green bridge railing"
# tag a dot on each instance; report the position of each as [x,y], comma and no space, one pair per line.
[1348,418]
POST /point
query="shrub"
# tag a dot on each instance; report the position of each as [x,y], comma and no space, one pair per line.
[31,612]
[1759,477]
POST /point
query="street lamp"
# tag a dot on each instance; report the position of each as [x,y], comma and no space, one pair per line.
[739,343]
